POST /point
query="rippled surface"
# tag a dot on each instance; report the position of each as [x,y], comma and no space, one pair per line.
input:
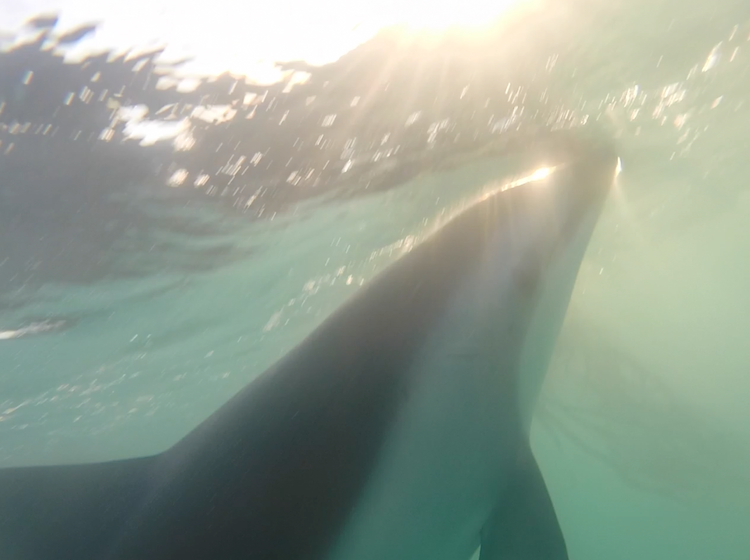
[164,239]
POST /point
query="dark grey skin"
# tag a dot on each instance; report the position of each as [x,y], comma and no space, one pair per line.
[430,370]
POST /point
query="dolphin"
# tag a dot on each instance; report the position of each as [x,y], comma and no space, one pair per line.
[397,430]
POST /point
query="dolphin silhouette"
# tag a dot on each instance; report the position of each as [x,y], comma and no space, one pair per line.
[397,430]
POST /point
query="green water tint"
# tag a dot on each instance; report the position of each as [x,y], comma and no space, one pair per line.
[168,350]
[643,429]
[630,438]
[628,417]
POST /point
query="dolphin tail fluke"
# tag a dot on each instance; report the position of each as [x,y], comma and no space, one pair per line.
[70,512]
[524,525]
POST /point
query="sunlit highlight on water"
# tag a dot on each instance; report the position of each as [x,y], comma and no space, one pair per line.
[248,39]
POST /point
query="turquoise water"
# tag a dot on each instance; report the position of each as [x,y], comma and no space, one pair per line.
[643,430]
[137,361]
[655,343]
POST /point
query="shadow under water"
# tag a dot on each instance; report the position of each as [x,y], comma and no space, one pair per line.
[628,417]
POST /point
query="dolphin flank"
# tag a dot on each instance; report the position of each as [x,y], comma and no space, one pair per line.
[397,430]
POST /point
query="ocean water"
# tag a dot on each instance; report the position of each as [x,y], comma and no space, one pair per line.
[643,427]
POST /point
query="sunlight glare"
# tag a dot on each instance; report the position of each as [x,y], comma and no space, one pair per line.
[250,38]
[540,173]
[467,13]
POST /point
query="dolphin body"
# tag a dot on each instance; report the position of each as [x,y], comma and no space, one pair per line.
[398,430]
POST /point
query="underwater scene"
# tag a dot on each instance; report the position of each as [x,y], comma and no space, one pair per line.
[372,280]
